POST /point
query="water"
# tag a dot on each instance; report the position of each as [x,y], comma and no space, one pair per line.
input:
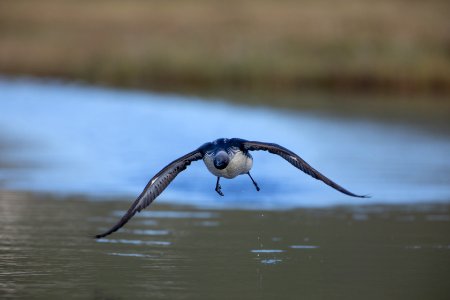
[394,252]
[105,142]
[72,158]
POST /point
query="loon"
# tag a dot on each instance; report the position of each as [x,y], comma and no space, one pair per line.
[223,157]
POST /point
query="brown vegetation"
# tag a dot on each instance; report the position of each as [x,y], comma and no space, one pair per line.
[348,44]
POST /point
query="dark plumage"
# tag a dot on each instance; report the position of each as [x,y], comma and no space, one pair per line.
[224,158]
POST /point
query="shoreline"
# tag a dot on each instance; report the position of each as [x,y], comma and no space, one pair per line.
[351,83]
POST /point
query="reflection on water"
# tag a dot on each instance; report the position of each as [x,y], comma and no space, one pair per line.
[267,251]
[106,143]
[304,247]
[172,214]
[134,242]
[150,232]
[47,252]
[130,254]
[270,261]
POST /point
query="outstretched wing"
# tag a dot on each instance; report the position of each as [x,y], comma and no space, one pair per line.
[155,187]
[296,161]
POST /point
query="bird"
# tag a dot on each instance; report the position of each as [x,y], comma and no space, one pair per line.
[224,157]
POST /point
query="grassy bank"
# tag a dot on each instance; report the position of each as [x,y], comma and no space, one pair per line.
[351,44]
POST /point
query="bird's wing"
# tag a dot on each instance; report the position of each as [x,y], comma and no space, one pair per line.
[296,161]
[155,187]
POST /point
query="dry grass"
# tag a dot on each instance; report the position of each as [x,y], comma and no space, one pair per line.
[351,44]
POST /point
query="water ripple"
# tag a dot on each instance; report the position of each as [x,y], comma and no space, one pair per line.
[131,254]
[173,214]
[134,242]
[267,251]
[271,261]
[303,247]
[148,232]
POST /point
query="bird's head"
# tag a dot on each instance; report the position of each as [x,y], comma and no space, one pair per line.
[221,160]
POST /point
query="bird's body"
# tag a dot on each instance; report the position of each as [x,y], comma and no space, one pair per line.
[223,157]
[240,162]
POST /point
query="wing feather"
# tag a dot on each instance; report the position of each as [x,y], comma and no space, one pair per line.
[297,162]
[155,187]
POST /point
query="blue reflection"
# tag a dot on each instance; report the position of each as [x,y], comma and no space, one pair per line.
[107,143]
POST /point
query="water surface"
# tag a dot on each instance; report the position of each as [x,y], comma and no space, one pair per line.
[72,158]
[374,252]
[108,143]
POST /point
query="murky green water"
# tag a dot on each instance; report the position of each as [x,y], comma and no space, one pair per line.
[175,252]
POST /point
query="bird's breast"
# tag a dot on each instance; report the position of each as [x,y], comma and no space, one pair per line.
[239,164]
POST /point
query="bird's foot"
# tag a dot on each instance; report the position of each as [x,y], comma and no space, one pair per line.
[218,187]
[254,182]
[219,190]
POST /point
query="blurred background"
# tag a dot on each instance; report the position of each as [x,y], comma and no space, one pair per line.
[97,96]
[168,45]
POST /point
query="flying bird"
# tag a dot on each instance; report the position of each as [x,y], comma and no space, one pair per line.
[223,157]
